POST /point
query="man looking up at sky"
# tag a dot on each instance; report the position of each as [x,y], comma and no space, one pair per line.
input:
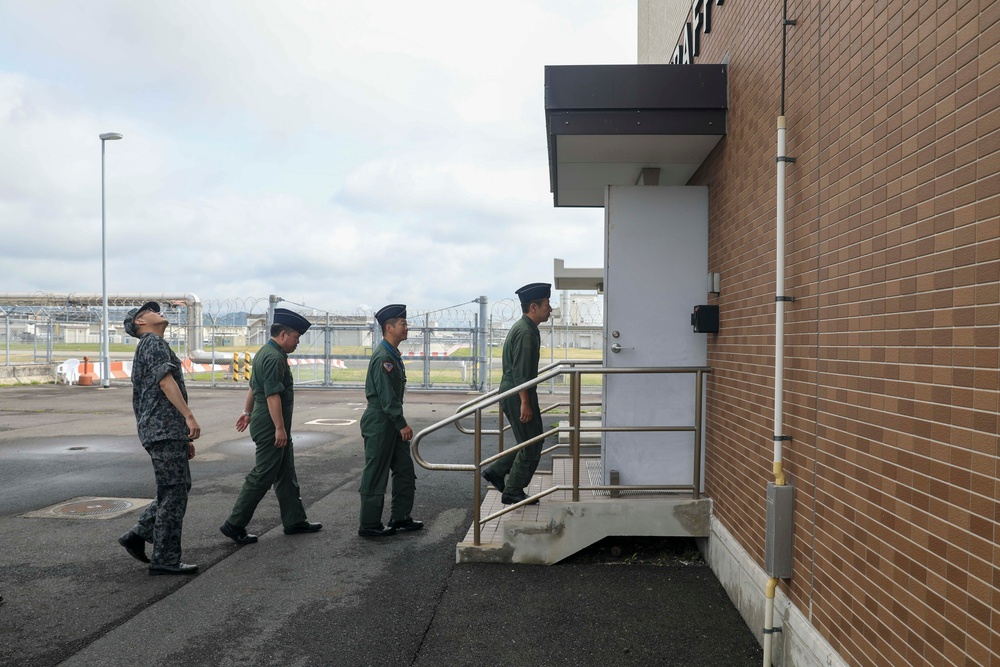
[167,429]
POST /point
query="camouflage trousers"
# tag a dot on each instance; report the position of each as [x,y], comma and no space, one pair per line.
[161,522]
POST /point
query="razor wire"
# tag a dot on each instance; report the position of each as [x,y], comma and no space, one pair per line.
[448,347]
[441,351]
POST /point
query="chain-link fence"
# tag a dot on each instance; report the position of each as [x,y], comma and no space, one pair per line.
[27,338]
[458,347]
[47,328]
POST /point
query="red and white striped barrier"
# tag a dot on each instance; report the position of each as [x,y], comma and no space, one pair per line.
[336,363]
[122,370]
[119,369]
[190,367]
[446,353]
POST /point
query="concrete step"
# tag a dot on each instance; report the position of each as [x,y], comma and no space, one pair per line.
[573,526]
[557,527]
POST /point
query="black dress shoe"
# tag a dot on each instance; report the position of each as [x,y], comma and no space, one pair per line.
[237,534]
[302,527]
[511,498]
[381,531]
[493,478]
[406,524]
[176,568]
[134,545]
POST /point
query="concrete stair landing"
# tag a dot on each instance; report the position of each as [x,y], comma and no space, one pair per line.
[557,527]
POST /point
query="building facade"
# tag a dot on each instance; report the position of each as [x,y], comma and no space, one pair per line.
[892,246]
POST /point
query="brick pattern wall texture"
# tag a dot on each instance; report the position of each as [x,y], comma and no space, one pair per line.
[893,257]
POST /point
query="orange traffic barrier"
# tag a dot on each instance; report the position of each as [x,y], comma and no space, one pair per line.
[87,375]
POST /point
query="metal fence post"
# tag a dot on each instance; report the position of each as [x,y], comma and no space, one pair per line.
[481,376]
[272,301]
[327,353]
[473,353]
[489,366]
[214,358]
[427,351]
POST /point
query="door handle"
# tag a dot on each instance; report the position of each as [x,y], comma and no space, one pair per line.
[616,348]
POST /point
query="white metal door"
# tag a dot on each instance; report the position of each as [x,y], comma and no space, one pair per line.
[656,263]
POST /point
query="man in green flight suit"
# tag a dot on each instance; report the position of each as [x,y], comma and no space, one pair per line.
[521,350]
[267,410]
[387,435]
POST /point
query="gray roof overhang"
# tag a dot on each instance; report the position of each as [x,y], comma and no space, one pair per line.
[606,123]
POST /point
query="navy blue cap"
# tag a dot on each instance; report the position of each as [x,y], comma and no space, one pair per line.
[291,319]
[389,312]
[534,292]
[132,314]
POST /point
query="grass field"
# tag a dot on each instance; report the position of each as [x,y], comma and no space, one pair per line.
[442,373]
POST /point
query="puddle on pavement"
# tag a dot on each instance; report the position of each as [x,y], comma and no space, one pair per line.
[74,445]
[301,441]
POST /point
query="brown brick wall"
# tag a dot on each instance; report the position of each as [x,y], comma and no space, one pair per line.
[893,257]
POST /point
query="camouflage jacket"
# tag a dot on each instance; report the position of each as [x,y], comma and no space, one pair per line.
[156,417]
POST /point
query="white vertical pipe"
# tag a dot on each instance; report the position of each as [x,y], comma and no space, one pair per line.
[779,290]
[779,365]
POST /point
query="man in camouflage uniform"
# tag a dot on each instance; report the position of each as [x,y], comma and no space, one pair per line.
[521,351]
[166,428]
[387,435]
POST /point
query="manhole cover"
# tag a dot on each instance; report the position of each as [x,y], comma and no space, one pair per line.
[89,508]
[93,507]
[331,422]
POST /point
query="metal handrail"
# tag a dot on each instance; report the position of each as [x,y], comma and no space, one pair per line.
[493,392]
[475,409]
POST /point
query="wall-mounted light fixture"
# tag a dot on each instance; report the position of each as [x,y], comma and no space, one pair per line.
[713,282]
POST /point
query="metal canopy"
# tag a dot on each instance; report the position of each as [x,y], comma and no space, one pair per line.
[577,279]
[606,124]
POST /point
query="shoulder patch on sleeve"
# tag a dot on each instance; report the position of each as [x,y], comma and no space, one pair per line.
[387,366]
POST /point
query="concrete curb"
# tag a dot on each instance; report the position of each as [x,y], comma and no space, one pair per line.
[27,374]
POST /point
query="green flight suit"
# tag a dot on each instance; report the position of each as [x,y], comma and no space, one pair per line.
[521,351]
[385,450]
[274,467]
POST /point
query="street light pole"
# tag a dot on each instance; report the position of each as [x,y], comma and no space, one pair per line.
[105,347]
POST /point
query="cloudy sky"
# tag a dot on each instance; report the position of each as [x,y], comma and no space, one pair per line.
[333,152]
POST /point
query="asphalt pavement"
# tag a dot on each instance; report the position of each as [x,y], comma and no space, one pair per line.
[72,596]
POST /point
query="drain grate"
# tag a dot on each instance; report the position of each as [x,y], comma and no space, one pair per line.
[94,507]
[89,508]
[595,471]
